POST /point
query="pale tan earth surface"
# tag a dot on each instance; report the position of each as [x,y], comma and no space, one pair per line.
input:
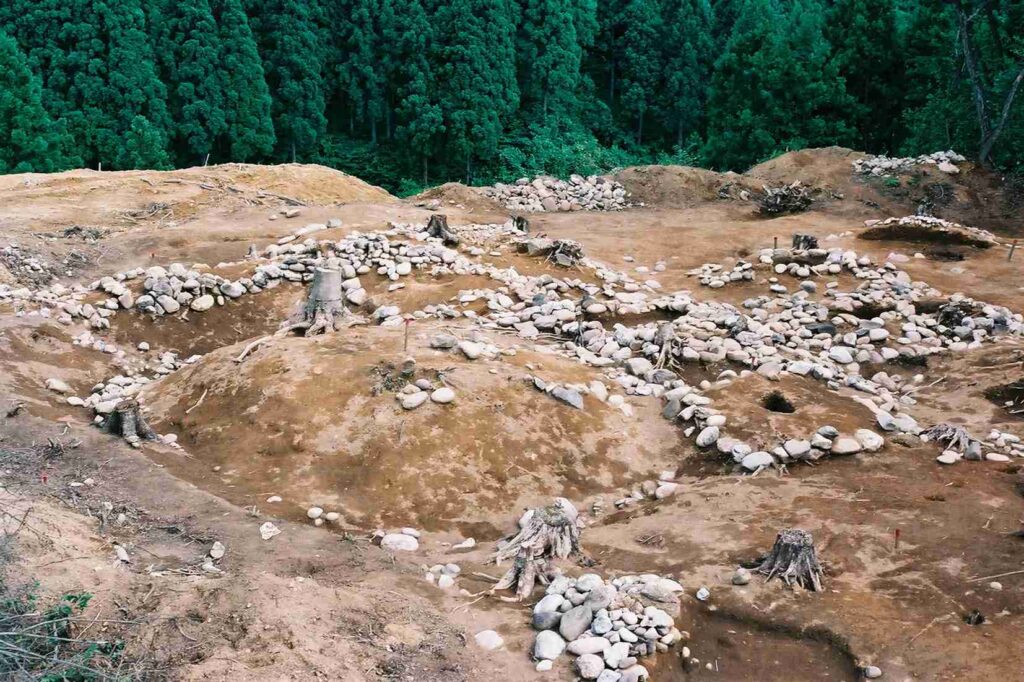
[300,419]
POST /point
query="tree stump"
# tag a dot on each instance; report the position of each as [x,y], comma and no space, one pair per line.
[793,559]
[437,227]
[324,307]
[551,532]
[956,438]
[127,421]
[804,242]
[566,252]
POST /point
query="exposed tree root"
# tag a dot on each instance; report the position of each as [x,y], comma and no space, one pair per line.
[127,421]
[325,309]
[551,532]
[793,560]
[956,438]
[437,227]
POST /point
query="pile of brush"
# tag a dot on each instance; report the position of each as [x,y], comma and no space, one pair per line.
[792,198]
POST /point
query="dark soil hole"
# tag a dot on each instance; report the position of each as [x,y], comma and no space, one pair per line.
[776,402]
[975,617]
[1010,397]
[912,361]
[944,253]
[929,306]
[736,642]
[922,235]
[870,311]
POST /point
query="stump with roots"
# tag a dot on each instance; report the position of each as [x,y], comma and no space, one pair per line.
[437,227]
[566,252]
[324,307]
[127,421]
[792,198]
[793,560]
[804,242]
[551,532]
[956,438]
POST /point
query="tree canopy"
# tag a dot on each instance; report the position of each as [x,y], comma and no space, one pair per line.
[404,92]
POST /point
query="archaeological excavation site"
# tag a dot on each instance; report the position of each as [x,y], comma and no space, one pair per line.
[666,424]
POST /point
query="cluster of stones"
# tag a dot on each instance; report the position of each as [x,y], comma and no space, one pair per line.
[317,514]
[715,276]
[1000,446]
[593,193]
[23,267]
[105,396]
[773,335]
[934,224]
[664,486]
[417,393]
[167,291]
[404,540]
[887,165]
[442,575]
[608,625]
[292,212]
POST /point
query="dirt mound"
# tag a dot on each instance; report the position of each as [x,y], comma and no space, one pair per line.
[305,183]
[673,186]
[108,200]
[825,166]
[458,195]
[311,420]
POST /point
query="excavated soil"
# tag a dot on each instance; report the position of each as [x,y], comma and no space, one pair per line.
[439,467]
[301,419]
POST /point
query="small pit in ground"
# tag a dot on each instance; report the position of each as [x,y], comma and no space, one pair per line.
[735,646]
[942,252]
[777,402]
[918,234]
[870,311]
[1009,397]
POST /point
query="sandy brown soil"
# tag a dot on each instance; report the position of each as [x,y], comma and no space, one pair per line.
[300,420]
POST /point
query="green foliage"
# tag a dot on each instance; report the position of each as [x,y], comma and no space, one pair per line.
[775,88]
[687,53]
[143,147]
[293,55]
[46,646]
[249,128]
[29,139]
[642,68]
[411,92]
[189,51]
[476,85]
[867,52]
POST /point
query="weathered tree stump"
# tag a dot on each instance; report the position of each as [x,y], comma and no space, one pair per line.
[437,227]
[792,198]
[551,532]
[956,438]
[566,252]
[127,421]
[804,242]
[793,560]
[325,306]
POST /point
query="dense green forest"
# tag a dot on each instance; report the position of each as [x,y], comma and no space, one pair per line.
[409,92]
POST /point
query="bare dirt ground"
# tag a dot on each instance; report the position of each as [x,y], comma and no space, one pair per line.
[301,420]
